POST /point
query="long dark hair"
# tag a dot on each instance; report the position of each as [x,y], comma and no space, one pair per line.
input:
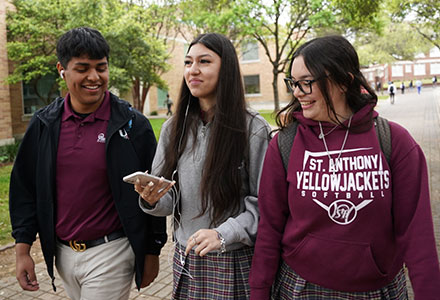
[221,178]
[332,55]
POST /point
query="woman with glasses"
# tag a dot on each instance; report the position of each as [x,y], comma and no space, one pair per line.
[341,222]
[213,147]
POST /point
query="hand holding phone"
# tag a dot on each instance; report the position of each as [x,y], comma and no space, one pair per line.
[151,188]
[145,179]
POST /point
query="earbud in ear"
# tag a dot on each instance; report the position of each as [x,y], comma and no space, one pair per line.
[62,74]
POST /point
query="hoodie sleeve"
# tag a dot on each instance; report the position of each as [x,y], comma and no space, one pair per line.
[412,214]
[273,215]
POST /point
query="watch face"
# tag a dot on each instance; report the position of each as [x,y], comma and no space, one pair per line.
[222,243]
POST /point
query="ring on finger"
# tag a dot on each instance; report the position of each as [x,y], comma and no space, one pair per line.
[194,240]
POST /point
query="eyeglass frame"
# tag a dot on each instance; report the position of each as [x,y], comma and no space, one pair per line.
[308,82]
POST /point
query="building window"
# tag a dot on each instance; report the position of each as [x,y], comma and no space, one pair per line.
[250,51]
[36,99]
[396,71]
[435,68]
[434,52]
[252,84]
[161,97]
[419,69]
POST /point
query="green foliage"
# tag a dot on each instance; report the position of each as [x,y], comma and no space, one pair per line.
[137,51]
[422,15]
[140,56]
[32,32]
[394,44]
[358,15]
[9,152]
[220,16]
[280,26]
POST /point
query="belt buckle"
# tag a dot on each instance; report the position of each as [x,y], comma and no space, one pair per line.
[77,247]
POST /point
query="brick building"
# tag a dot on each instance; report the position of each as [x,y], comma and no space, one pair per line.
[6,128]
[424,66]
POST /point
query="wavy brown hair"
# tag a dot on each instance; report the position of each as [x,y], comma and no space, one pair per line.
[221,179]
[332,55]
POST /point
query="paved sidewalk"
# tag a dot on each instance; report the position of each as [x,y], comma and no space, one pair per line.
[420,114]
[161,288]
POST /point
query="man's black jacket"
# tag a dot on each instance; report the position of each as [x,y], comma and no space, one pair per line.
[32,195]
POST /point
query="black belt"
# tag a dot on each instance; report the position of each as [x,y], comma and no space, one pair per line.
[81,246]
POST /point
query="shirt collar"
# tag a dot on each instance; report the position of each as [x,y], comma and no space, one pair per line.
[102,113]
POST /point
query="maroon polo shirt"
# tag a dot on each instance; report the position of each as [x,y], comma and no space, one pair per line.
[85,208]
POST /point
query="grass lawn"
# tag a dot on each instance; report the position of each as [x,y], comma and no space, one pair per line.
[156,123]
[269,115]
[5,224]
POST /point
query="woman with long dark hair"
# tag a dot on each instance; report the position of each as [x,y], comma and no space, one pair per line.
[342,217]
[213,147]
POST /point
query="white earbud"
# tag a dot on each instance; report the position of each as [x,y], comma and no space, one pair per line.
[62,74]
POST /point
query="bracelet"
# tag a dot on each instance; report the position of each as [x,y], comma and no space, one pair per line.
[222,243]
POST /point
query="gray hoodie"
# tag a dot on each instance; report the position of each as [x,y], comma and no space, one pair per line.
[238,230]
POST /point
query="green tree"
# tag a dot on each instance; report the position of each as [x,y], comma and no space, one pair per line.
[136,52]
[280,26]
[393,44]
[422,15]
[33,30]
[148,30]
[220,16]
[136,65]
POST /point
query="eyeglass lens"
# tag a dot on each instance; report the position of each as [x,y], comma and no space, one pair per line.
[305,86]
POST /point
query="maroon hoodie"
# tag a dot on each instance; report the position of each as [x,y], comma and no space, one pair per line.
[349,225]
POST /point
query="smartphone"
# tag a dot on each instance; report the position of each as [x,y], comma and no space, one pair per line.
[145,179]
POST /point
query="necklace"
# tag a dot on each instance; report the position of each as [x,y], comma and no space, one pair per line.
[322,134]
[343,143]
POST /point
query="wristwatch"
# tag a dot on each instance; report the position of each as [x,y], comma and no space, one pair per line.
[222,243]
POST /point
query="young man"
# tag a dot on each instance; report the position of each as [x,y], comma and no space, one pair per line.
[66,184]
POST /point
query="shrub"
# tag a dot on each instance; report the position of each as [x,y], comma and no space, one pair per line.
[9,152]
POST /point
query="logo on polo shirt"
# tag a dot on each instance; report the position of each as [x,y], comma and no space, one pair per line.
[101,138]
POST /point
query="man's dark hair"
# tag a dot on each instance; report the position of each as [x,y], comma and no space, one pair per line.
[79,41]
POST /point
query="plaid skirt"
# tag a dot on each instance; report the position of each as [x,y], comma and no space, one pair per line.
[290,286]
[213,276]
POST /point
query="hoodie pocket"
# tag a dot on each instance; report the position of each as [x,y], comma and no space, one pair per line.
[335,264]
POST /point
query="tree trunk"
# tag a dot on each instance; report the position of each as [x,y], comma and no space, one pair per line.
[276,98]
[145,89]
[136,94]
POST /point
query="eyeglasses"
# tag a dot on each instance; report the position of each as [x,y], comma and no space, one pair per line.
[305,85]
